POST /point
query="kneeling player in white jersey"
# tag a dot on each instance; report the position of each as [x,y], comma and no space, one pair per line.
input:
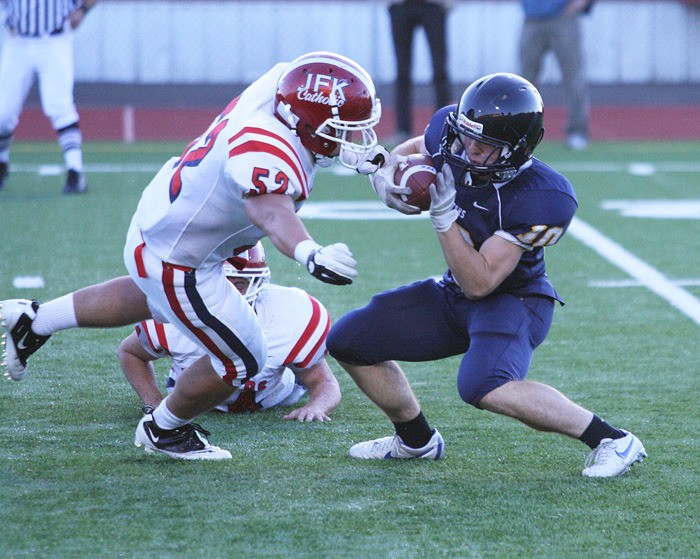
[243,179]
[295,325]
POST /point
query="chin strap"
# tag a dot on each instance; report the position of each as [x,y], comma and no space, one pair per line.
[323,161]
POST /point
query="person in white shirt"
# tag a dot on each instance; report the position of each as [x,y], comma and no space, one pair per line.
[295,325]
[243,179]
[39,46]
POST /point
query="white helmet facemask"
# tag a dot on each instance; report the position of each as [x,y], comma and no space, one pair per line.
[356,139]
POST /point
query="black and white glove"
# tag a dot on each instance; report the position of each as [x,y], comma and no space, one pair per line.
[443,212]
[332,264]
[390,192]
[365,164]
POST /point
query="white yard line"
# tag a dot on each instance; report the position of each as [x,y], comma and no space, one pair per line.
[645,274]
[91,168]
[635,283]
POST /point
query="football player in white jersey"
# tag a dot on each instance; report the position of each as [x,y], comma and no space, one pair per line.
[295,325]
[243,179]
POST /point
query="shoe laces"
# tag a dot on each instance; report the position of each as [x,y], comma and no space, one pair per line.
[183,432]
[199,429]
[386,445]
[600,454]
[189,429]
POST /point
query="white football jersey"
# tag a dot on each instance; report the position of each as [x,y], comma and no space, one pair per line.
[192,213]
[296,326]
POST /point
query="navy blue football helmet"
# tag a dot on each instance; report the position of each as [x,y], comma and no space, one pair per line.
[501,110]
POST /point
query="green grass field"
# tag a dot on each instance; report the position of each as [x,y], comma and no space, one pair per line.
[72,485]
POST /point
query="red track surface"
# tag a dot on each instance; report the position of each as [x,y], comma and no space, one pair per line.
[607,123]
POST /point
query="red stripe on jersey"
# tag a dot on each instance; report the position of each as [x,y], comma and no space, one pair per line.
[254,146]
[160,332]
[297,165]
[143,326]
[138,258]
[311,328]
[319,343]
[229,108]
[263,132]
[168,285]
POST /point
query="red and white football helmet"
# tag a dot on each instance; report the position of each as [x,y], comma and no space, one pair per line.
[329,100]
[252,266]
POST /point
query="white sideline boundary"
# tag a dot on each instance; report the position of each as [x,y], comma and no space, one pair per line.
[645,274]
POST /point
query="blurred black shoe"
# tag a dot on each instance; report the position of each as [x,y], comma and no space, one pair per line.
[3,174]
[75,183]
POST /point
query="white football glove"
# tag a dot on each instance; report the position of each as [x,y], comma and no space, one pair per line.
[332,264]
[443,212]
[365,164]
[390,192]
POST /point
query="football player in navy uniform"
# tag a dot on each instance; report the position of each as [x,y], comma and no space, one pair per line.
[494,208]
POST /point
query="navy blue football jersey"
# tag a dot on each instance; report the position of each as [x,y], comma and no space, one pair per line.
[532,210]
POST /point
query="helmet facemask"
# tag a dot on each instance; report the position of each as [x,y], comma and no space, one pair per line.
[251,266]
[454,150]
[356,139]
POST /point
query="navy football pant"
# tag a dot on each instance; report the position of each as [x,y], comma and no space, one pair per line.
[427,320]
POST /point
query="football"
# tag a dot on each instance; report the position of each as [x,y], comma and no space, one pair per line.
[418,173]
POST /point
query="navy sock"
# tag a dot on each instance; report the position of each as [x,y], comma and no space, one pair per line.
[598,430]
[415,433]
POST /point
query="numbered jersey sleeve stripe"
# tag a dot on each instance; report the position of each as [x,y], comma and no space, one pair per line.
[320,322]
[254,146]
[285,152]
[254,130]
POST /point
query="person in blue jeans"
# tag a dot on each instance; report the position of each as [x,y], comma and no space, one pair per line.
[494,208]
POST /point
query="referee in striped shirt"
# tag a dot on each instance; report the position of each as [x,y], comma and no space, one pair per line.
[40,43]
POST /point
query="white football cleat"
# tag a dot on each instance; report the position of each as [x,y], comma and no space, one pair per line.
[18,341]
[388,448]
[614,457]
[188,442]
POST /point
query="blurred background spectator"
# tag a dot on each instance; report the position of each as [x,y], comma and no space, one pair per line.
[190,57]
[407,16]
[554,25]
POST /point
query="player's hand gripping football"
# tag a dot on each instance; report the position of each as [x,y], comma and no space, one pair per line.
[332,264]
[443,212]
[389,192]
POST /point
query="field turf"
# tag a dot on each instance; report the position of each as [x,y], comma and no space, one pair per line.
[72,485]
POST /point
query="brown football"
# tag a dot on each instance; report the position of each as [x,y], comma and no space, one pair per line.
[418,173]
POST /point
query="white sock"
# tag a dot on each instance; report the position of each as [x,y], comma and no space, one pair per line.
[74,159]
[55,316]
[165,419]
